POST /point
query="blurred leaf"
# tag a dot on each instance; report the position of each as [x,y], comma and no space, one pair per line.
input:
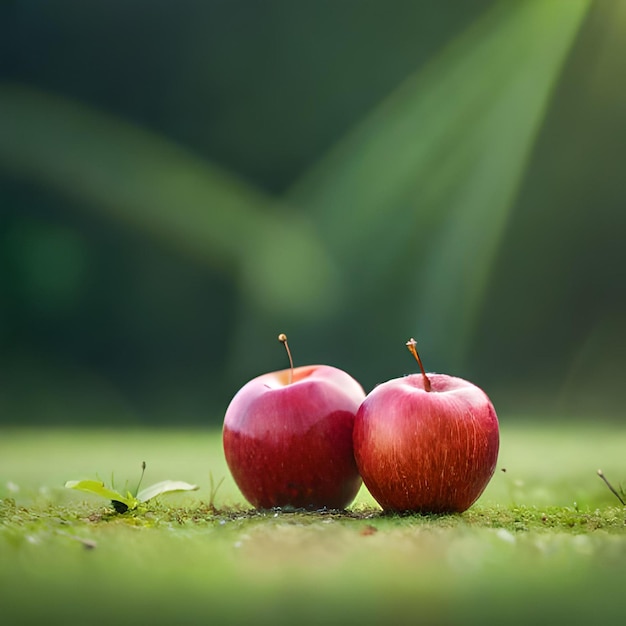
[140,179]
[432,173]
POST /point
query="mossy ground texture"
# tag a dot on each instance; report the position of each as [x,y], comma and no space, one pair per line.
[546,543]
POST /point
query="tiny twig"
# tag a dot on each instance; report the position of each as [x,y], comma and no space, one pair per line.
[610,486]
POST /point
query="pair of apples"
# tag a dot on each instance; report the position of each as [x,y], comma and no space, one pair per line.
[307,438]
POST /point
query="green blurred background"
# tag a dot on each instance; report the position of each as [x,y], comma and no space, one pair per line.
[181,181]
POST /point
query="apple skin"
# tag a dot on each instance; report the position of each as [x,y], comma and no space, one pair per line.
[426,451]
[290,445]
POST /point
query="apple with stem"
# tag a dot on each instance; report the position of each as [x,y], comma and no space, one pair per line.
[426,443]
[287,437]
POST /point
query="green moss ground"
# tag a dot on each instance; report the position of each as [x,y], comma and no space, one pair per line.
[546,543]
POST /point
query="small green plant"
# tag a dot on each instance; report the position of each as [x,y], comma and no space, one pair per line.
[122,503]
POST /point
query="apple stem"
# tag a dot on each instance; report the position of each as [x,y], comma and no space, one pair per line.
[283,339]
[410,344]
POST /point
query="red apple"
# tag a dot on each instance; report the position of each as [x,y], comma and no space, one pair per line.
[426,443]
[288,438]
